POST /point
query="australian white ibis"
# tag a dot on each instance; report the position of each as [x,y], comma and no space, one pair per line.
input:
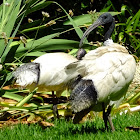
[45,72]
[106,73]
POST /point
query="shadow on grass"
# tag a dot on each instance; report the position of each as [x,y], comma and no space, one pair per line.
[91,129]
[85,128]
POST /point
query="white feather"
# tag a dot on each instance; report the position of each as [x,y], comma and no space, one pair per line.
[111,68]
[108,42]
[52,73]
[26,78]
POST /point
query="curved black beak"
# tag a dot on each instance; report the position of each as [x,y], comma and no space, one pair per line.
[92,27]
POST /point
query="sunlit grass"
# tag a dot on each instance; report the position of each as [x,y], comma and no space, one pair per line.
[67,130]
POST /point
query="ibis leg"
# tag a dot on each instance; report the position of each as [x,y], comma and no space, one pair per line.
[105,118]
[109,118]
[55,110]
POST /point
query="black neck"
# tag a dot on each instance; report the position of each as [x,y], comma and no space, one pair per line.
[109,29]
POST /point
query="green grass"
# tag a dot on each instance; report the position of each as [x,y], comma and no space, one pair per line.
[65,130]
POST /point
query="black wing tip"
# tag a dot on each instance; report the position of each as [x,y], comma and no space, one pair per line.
[83,96]
[31,66]
[80,53]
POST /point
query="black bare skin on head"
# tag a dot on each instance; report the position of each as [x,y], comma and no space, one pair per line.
[108,21]
[106,18]
[81,53]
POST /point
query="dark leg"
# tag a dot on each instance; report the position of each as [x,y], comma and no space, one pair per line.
[55,110]
[105,118]
[109,118]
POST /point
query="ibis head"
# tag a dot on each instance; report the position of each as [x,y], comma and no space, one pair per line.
[105,19]
[81,53]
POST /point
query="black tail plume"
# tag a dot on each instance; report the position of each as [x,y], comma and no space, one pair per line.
[83,96]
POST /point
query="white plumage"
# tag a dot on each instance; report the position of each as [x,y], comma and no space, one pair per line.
[46,72]
[111,72]
[111,68]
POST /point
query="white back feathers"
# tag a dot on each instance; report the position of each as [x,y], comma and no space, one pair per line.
[47,72]
[111,68]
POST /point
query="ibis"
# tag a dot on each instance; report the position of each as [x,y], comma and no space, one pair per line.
[105,75]
[45,72]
